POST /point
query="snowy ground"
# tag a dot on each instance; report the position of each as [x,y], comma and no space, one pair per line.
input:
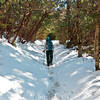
[25,76]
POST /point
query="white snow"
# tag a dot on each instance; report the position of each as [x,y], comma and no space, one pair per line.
[25,76]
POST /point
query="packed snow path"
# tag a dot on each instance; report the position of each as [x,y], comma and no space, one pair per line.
[25,76]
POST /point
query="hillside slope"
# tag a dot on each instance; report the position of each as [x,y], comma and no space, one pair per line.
[25,76]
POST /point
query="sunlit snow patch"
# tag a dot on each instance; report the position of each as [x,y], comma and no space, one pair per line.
[6,85]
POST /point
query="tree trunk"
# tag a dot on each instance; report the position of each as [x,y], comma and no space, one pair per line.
[36,27]
[97,33]
[78,30]
[68,18]
[23,23]
[19,29]
[97,47]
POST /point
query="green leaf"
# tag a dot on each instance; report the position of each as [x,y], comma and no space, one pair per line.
[3,25]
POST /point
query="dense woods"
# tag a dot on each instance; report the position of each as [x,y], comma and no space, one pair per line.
[77,21]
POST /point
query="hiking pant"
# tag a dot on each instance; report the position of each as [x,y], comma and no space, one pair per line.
[49,56]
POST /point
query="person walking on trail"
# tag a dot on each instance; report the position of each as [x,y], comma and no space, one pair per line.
[49,50]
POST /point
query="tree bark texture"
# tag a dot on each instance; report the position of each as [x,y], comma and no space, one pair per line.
[36,27]
[97,36]
[78,30]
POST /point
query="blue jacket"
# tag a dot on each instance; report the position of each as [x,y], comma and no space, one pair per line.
[49,44]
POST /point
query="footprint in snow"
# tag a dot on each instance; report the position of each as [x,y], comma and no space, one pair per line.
[57,84]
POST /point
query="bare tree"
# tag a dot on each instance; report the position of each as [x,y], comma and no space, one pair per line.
[97,35]
[78,29]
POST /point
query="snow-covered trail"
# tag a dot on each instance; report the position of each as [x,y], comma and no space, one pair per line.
[25,76]
[74,78]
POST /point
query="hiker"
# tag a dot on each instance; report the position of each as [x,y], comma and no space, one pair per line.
[49,50]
